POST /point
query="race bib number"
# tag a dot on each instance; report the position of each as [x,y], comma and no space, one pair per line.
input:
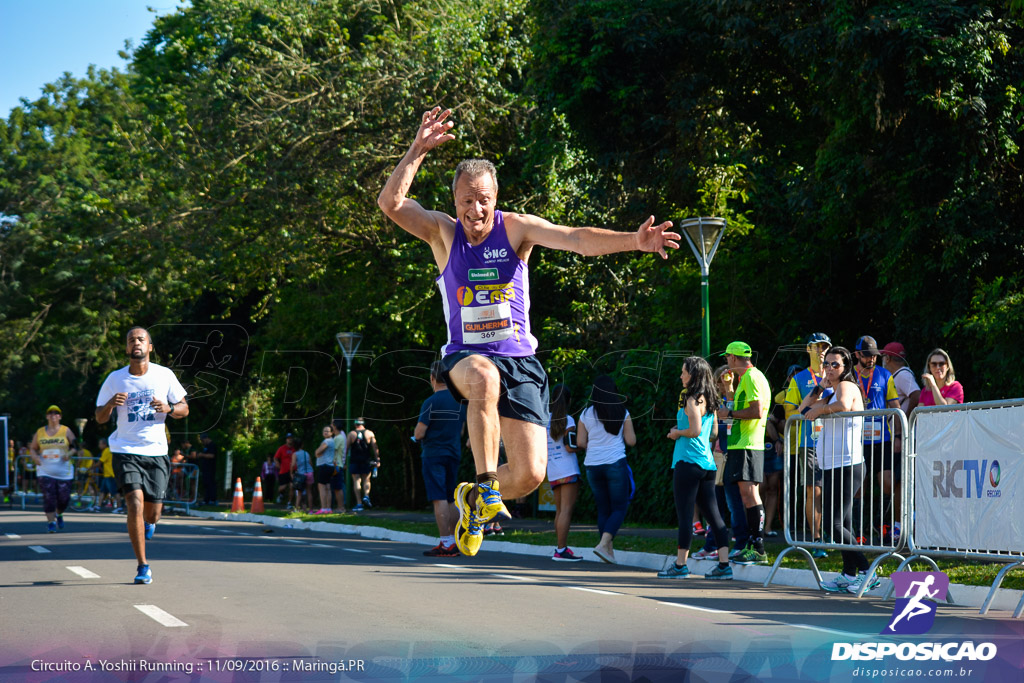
[51,453]
[816,427]
[483,324]
[872,432]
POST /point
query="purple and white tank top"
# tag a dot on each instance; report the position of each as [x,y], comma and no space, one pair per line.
[486,294]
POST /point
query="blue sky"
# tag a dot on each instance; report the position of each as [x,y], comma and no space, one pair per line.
[41,39]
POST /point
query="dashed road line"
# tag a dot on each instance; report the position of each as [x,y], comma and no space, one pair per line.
[293,540]
[694,607]
[399,557]
[38,548]
[84,573]
[519,578]
[451,566]
[12,536]
[355,550]
[592,590]
[161,617]
[320,545]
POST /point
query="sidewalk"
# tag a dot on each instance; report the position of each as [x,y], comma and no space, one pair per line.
[970,596]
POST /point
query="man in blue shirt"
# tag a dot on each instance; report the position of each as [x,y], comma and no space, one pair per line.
[439,433]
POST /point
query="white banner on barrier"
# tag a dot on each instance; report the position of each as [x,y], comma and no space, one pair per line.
[969,489]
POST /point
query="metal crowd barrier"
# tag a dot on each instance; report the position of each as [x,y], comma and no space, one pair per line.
[878,511]
[182,484]
[994,429]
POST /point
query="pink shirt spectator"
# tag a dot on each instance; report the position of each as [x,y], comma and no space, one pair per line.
[954,391]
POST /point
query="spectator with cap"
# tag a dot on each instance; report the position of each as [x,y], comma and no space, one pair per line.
[938,381]
[283,458]
[879,392]
[744,464]
[800,386]
[908,392]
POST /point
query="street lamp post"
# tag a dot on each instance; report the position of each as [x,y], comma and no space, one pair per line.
[703,235]
[349,343]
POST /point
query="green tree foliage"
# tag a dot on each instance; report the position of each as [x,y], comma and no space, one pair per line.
[864,153]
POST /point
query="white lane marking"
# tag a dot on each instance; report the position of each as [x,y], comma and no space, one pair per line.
[399,557]
[592,590]
[12,536]
[38,548]
[292,540]
[520,578]
[160,616]
[207,528]
[451,566]
[699,609]
[831,631]
[242,533]
[226,531]
[320,545]
[355,550]
[84,573]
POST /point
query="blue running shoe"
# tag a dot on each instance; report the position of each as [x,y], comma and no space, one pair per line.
[51,527]
[719,573]
[150,530]
[144,575]
[488,503]
[674,572]
[60,521]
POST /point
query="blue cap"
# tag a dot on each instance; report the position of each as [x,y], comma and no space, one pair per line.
[818,338]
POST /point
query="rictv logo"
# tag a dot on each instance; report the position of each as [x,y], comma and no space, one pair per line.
[965,479]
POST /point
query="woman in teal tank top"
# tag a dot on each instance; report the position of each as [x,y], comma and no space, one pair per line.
[693,466]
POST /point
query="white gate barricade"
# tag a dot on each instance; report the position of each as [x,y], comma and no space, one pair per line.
[967,477]
[875,516]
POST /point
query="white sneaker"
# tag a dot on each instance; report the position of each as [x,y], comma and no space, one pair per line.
[703,554]
[838,584]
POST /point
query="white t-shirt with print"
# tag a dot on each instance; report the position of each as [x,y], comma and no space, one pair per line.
[140,429]
[905,386]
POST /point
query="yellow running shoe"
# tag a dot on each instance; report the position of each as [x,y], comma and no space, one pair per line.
[488,503]
[468,532]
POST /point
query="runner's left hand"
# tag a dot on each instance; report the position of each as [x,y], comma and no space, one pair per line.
[654,238]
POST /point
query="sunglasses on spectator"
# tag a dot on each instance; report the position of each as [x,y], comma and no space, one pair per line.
[939,363]
[835,365]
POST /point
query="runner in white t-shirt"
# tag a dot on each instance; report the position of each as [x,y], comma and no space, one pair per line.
[145,395]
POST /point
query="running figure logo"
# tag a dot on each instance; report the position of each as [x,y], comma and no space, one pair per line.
[912,615]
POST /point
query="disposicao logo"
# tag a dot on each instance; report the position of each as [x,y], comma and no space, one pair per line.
[914,614]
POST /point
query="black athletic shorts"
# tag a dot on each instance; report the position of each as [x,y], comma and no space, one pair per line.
[524,386]
[744,465]
[146,473]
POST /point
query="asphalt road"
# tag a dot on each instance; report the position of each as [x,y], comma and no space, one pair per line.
[292,605]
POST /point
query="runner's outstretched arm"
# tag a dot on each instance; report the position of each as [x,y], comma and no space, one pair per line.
[593,241]
[393,199]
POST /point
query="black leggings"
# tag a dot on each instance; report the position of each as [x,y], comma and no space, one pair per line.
[693,484]
[838,487]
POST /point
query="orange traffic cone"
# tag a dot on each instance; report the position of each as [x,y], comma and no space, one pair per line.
[257,499]
[238,504]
